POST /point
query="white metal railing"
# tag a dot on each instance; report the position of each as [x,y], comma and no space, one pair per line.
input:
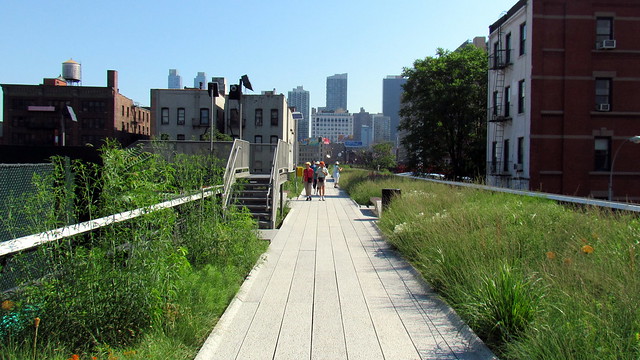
[237,166]
[556,197]
[31,241]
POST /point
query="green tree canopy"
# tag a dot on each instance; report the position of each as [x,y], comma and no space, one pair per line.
[444,112]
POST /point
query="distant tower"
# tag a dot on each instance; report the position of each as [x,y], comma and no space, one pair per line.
[299,98]
[200,81]
[175,80]
[391,99]
[71,72]
[222,84]
[337,92]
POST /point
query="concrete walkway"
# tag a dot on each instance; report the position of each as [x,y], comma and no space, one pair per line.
[331,288]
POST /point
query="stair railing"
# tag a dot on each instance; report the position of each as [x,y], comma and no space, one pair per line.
[237,166]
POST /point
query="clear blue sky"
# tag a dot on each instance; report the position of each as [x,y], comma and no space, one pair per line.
[278,43]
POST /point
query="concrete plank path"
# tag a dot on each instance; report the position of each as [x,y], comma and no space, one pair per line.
[330,287]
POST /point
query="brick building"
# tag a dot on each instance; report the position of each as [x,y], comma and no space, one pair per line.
[563,83]
[38,115]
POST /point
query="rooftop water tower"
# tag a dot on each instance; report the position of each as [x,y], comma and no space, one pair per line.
[71,72]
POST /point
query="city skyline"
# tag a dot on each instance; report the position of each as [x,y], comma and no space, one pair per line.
[142,51]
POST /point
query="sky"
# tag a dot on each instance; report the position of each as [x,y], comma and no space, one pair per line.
[279,44]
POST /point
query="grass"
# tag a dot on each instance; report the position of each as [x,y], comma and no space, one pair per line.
[534,279]
[149,288]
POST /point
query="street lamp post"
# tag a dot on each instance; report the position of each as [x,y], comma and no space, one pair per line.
[633,139]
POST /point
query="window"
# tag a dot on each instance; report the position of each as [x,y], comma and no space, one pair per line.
[604,29]
[602,154]
[165,115]
[603,93]
[505,157]
[180,137]
[257,139]
[520,150]
[204,116]
[164,136]
[274,139]
[495,103]
[523,38]
[496,55]
[494,157]
[507,101]
[180,116]
[507,49]
[521,96]
[233,117]
[258,117]
[274,117]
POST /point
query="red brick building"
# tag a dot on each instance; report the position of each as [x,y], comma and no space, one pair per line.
[38,115]
[564,84]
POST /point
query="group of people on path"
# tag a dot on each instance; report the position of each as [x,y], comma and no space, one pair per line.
[315,176]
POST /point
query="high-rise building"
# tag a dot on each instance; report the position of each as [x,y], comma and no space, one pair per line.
[337,92]
[361,119]
[175,80]
[381,128]
[391,99]
[200,81]
[299,98]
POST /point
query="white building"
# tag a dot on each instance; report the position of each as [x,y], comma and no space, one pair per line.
[337,127]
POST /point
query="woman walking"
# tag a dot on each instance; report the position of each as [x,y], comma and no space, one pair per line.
[321,174]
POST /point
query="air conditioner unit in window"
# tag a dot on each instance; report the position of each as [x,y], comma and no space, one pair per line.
[603,107]
[607,44]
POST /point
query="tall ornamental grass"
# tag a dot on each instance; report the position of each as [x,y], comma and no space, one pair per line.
[533,278]
[151,287]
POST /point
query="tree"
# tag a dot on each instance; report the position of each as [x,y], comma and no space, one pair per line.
[444,112]
[381,157]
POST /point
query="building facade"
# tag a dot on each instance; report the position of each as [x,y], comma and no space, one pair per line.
[337,93]
[174,80]
[298,98]
[360,119]
[562,83]
[39,115]
[381,128]
[391,99]
[185,114]
[337,127]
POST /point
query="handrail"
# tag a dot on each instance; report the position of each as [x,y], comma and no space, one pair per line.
[31,241]
[231,169]
[556,197]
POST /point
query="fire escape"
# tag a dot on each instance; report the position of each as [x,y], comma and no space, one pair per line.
[499,111]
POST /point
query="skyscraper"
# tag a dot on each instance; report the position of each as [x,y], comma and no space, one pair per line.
[391,98]
[175,80]
[200,79]
[299,98]
[337,92]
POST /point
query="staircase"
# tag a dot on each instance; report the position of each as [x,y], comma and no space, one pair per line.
[254,194]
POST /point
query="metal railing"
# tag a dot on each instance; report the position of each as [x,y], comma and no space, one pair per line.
[280,166]
[237,166]
[556,197]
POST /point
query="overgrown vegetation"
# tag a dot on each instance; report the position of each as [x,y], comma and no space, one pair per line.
[151,287]
[533,278]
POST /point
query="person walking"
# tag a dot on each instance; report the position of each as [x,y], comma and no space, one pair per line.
[336,174]
[307,179]
[315,176]
[321,174]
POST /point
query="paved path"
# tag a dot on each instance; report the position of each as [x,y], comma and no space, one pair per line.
[331,288]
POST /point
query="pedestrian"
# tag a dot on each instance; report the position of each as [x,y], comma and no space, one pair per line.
[321,174]
[307,178]
[315,176]
[336,174]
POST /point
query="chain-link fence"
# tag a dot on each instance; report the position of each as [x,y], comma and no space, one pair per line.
[16,183]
